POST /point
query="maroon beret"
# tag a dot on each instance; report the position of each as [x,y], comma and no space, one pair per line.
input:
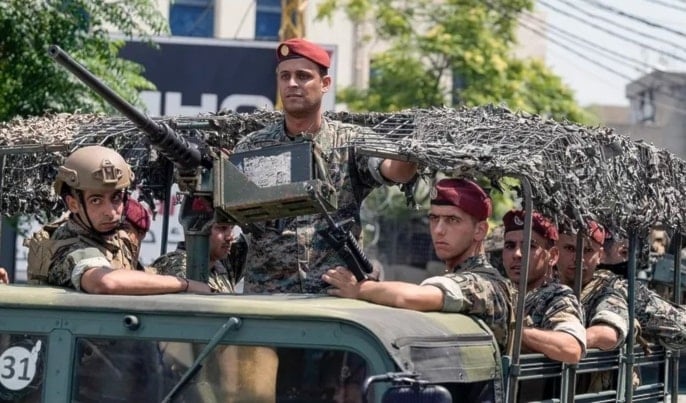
[137,215]
[298,47]
[514,220]
[464,194]
[596,232]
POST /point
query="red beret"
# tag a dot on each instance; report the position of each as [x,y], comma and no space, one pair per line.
[464,194]
[596,232]
[137,215]
[514,220]
[298,47]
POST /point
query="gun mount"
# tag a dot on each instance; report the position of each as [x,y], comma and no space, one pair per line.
[208,173]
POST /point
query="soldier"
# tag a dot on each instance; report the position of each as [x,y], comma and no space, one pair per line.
[458,225]
[553,318]
[134,228]
[85,251]
[662,322]
[605,308]
[289,255]
[221,241]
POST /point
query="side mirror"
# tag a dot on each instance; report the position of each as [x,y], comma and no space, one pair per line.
[407,387]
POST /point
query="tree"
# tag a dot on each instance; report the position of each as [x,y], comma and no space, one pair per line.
[467,42]
[32,84]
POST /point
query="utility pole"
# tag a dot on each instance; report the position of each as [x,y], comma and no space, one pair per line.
[292,25]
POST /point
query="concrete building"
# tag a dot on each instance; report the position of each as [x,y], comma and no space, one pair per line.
[658,110]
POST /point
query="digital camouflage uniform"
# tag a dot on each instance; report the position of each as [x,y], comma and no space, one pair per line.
[603,304]
[477,288]
[88,250]
[554,306]
[662,322]
[289,255]
[174,264]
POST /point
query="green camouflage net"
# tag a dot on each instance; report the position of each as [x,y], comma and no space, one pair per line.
[576,172]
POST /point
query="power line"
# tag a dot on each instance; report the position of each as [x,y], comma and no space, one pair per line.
[609,69]
[622,26]
[637,64]
[668,5]
[633,17]
[611,32]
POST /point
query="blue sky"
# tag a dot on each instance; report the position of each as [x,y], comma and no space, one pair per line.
[597,84]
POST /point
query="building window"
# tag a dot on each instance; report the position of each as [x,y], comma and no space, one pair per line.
[192,18]
[267,20]
[646,106]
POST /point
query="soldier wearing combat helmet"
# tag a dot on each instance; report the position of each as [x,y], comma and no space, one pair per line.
[85,250]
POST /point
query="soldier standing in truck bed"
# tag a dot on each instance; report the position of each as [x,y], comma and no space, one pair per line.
[289,255]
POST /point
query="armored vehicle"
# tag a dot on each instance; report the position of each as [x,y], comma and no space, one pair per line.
[58,345]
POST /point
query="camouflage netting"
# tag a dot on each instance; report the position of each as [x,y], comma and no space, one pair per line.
[576,172]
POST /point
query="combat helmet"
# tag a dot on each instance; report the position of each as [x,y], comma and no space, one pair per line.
[94,168]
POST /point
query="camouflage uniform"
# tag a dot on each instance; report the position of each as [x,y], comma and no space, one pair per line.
[661,321]
[554,306]
[88,250]
[476,288]
[174,264]
[289,255]
[603,305]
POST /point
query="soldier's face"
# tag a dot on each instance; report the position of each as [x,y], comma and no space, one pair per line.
[454,233]
[617,253]
[567,262]
[221,238]
[104,209]
[541,258]
[301,87]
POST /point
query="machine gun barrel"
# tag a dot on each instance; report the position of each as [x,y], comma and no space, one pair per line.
[162,137]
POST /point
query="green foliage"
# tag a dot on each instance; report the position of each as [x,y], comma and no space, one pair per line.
[468,42]
[32,84]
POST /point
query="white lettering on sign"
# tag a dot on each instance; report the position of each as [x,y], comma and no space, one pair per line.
[209,103]
[18,366]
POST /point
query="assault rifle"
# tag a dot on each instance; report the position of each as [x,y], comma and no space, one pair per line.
[345,244]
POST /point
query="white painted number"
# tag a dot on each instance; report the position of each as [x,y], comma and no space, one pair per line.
[18,366]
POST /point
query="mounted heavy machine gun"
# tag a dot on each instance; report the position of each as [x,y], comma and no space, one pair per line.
[203,172]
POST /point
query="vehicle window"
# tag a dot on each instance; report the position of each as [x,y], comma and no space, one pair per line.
[135,370]
[21,367]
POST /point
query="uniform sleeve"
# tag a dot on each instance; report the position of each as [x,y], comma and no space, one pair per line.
[611,310]
[468,293]
[453,299]
[70,263]
[661,321]
[564,314]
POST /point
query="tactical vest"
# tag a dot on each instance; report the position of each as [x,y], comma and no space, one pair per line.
[42,248]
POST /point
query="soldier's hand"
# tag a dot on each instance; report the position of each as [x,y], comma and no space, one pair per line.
[4,277]
[344,282]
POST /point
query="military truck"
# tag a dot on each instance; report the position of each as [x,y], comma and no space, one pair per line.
[58,345]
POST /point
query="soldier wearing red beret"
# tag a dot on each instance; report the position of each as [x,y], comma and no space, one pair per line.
[458,224]
[283,259]
[553,323]
[605,309]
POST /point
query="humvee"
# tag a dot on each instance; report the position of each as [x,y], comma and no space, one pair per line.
[58,345]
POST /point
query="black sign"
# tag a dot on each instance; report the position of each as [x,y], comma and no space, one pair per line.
[198,75]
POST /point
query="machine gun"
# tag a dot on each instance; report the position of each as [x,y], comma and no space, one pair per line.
[204,173]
